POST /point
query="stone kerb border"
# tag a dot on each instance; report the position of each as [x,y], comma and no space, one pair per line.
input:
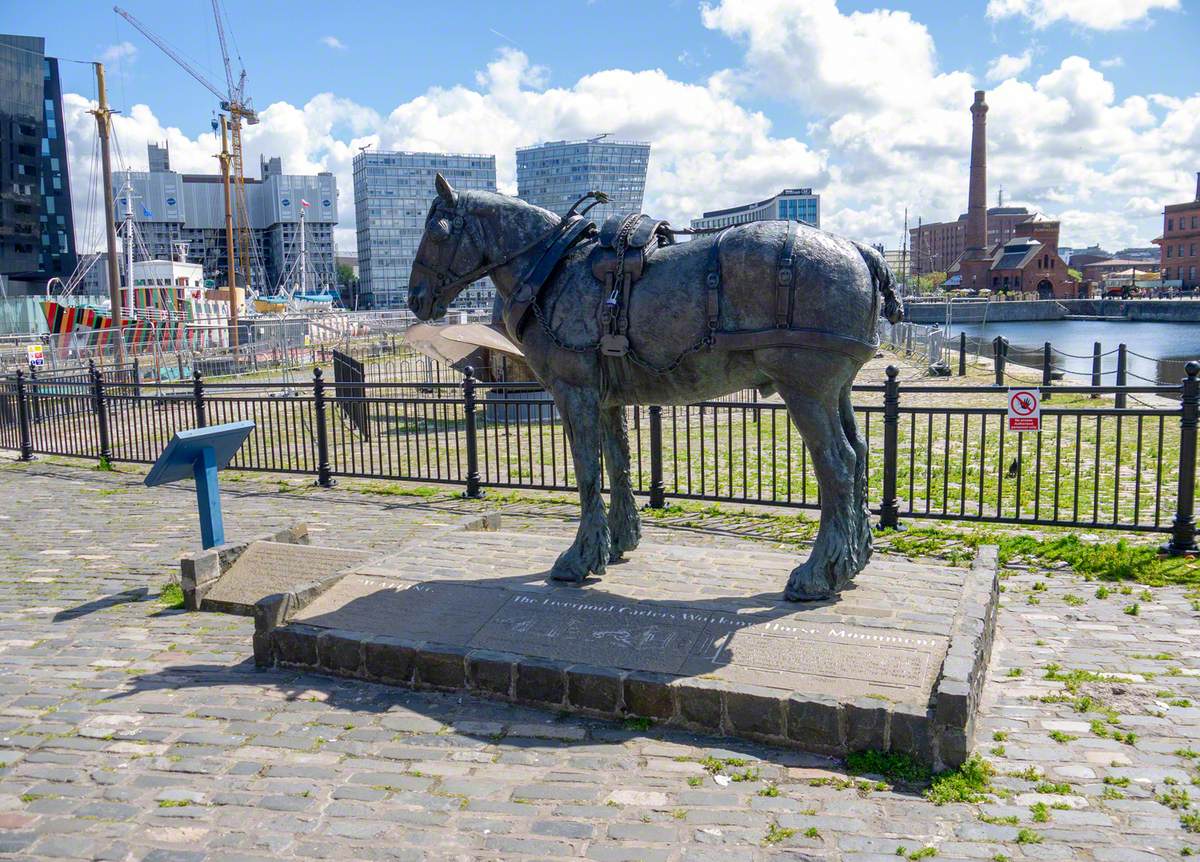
[960,685]
[940,734]
[199,572]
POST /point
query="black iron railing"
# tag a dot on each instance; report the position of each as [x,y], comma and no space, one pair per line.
[1130,467]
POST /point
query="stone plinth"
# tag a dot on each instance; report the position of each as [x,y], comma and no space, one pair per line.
[690,636]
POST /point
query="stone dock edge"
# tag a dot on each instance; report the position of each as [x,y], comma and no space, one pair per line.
[940,734]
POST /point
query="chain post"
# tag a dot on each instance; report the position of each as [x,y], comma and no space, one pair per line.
[198,398]
[137,379]
[324,473]
[1122,375]
[101,408]
[23,418]
[470,404]
[1047,370]
[35,401]
[1096,378]
[999,356]
[657,489]
[889,509]
[1183,529]
[962,354]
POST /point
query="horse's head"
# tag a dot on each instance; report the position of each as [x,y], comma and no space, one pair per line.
[451,247]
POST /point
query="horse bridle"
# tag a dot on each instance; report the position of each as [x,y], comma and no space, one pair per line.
[447,280]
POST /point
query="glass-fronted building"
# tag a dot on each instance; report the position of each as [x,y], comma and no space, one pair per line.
[392,193]
[789,205]
[553,175]
[37,231]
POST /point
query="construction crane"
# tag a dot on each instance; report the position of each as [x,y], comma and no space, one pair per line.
[236,103]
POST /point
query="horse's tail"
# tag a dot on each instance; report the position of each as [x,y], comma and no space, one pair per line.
[881,275]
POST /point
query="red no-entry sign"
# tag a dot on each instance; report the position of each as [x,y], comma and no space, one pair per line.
[1024,410]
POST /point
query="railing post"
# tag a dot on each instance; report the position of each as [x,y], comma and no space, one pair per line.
[137,379]
[962,354]
[1122,375]
[999,356]
[1183,529]
[324,473]
[657,490]
[1047,370]
[1096,348]
[474,491]
[101,408]
[908,330]
[889,509]
[198,399]
[35,401]
[23,418]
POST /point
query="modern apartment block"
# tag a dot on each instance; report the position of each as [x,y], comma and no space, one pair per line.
[788,205]
[172,208]
[392,193]
[553,175]
[1179,245]
[37,231]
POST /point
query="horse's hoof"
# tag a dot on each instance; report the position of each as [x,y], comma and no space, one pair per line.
[802,596]
[568,569]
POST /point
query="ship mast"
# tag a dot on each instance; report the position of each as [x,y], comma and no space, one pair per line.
[103,122]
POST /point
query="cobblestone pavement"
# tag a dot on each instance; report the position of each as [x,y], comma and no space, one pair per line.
[128,731]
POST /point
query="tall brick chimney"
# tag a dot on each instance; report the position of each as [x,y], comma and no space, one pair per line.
[975,241]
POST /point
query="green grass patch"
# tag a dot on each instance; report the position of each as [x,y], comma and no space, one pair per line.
[897,767]
[971,782]
[171,596]
[1028,836]
[777,833]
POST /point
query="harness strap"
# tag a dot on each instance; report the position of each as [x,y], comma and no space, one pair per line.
[817,339]
[712,284]
[785,280]
[517,308]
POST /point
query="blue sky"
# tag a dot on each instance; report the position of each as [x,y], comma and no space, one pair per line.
[753,66]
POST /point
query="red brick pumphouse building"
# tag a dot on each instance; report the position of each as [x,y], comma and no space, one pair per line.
[1180,242]
[1028,262]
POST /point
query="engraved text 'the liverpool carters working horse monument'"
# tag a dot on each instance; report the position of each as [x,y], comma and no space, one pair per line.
[625,315]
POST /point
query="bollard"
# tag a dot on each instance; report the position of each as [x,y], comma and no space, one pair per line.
[1096,349]
[474,490]
[889,509]
[657,489]
[1122,375]
[198,399]
[101,408]
[962,354]
[1183,528]
[1047,368]
[908,330]
[999,356]
[324,473]
[23,419]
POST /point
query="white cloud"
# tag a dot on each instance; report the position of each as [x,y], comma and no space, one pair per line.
[1008,66]
[1112,63]
[889,129]
[1095,14]
[122,53]
[333,42]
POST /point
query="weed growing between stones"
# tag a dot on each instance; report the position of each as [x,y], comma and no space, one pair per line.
[171,596]
[927,852]
[897,767]
[777,833]
[971,782]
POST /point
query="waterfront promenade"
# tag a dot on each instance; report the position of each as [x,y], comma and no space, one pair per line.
[131,731]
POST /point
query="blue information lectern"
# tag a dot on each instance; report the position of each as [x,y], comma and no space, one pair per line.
[199,454]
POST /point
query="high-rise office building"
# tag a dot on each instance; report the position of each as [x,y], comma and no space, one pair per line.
[553,175]
[788,205]
[171,208]
[37,232]
[392,193]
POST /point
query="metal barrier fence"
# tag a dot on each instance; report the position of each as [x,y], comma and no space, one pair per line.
[1096,467]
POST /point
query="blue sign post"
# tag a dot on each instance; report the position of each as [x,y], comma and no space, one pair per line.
[199,454]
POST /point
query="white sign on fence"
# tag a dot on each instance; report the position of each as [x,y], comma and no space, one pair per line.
[1024,410]
[36,354]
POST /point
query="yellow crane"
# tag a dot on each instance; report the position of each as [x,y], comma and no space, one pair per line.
[236,103]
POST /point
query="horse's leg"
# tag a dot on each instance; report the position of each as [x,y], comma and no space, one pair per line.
[850,428]
[624,525]
[580,410]
[836,555]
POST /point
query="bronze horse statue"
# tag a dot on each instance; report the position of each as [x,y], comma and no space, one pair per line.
[776,305]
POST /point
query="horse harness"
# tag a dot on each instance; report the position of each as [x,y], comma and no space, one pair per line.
[624,245]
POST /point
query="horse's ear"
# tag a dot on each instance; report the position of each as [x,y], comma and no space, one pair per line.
[445,190]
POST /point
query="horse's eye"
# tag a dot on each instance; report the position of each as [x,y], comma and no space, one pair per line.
[439,229]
